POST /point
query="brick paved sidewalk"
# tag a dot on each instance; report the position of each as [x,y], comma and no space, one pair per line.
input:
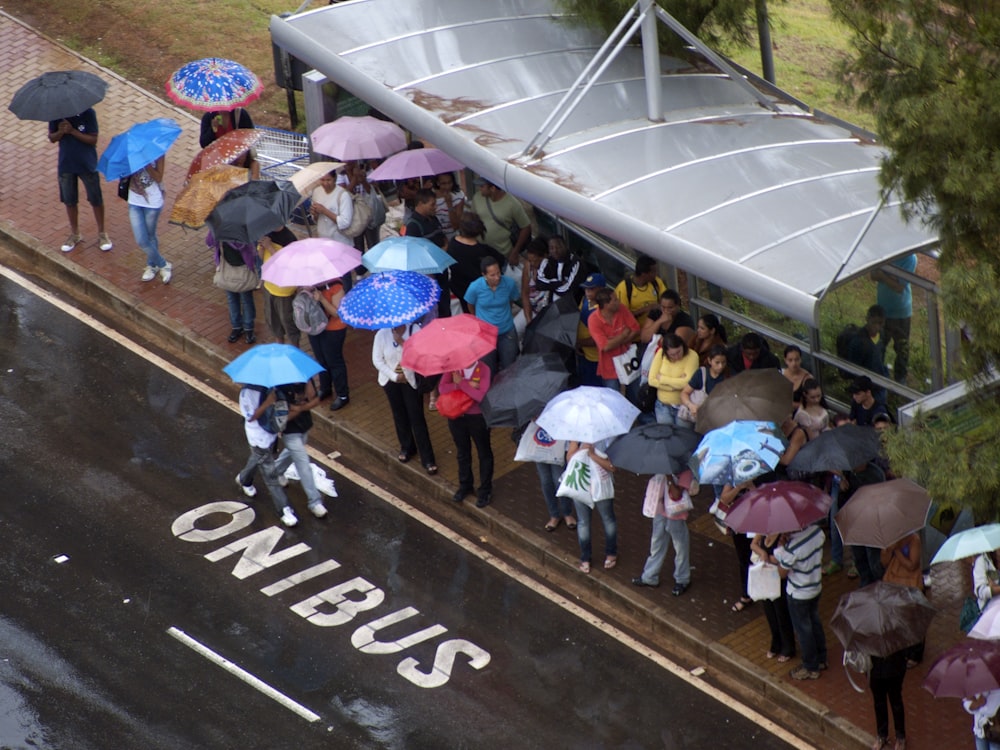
[29,205]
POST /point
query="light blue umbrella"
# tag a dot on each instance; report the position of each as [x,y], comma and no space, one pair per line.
[968,543]
[269,365]
[407,254]
[141,144]
[740,451]
[387,300]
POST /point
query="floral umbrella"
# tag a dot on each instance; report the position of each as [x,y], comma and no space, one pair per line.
[198,197]
[212,84]
[225,149]
[386,300]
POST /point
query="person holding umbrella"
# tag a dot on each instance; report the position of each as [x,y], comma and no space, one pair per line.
[77,139]
[145,202]
[239,289]
[328,345]
[470,427]
[984,708]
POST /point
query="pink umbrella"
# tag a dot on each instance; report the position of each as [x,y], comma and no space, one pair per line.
[447,344]
[778,507]
[420,162]
[309,262]
[968,668]
[351,138]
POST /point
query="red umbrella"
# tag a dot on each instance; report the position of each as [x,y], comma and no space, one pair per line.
[778,507]
[447,344]
[225,150]
[966,669]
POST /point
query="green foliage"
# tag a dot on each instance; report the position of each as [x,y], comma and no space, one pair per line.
[715,22]
[930,73]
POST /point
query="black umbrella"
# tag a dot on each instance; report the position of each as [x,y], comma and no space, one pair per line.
[654,449]
[882,618]
[248,212]
[552,329]
[520,392]
[840,449]
[57,94]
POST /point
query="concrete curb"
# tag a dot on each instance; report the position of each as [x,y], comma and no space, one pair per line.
[433,495]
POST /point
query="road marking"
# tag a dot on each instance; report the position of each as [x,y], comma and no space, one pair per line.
[553,596]
[238,671]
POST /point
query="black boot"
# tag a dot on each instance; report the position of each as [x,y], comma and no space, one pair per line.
[249,335]
[234,335]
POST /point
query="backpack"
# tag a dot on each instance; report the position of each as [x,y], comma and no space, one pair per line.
[844,339]
[275,417]
[376,203]
[308,314]
[360,218]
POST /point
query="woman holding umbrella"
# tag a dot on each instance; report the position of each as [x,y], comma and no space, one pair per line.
[605,508]
[145,202]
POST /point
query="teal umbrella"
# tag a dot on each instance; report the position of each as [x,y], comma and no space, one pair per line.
[407,254]
[269,365]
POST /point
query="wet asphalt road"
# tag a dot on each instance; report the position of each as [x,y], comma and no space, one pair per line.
[393,638]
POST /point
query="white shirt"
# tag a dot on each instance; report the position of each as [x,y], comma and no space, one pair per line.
[386,355]
[257,436]
[338,201]
[153,197]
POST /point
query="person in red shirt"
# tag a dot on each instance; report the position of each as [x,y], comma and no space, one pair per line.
[613,329]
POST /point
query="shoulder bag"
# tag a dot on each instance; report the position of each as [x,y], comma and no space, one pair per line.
[232,278]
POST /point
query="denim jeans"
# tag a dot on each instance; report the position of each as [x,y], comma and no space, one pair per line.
[242,310]
[836,540]
[294,452]
[667,414]
[143,221]
[631,390]
[984,744]
[264,459]
[809,630]
[664,532]
[548,477]
[606,508]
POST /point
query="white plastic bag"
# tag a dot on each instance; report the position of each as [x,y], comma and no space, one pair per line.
[575,480]
[324,483]
[627,365]
[536,445]
[763,581]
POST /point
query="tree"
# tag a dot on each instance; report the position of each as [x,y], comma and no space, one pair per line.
[930,73]
[715,22]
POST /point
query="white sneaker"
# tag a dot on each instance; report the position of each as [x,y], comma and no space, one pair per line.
[166,272]
[148,273]
[318,509]
[248,489]
[72,241]
[288,516]
[104,242]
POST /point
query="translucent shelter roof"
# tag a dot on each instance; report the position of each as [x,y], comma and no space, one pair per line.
[734,184]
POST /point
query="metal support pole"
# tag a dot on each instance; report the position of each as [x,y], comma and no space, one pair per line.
[651,62]
[764,39]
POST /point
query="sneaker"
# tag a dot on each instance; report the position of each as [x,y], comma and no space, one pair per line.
[801,673]
[72,241]
[166,272]
[680,588]
[318,509]
[339,403]
[288,517]
[104,242]
[483,499]
[832,568]
[148,273]
[248,489]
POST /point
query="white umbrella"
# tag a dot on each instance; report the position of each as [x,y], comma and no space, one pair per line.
[987,627]
[588,414]
[970,542]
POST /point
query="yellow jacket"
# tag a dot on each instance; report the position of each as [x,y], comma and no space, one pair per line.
[669,378]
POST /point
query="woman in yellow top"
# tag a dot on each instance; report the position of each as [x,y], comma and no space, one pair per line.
[672,368]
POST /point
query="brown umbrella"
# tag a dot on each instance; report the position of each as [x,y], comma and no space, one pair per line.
[753,395]
[307,178]
[198,197]
[881,618]
[225,150]
[879,515]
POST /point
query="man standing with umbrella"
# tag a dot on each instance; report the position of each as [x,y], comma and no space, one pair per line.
[800,557]
[77,139]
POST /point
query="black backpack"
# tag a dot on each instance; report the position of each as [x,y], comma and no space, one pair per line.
[844,339]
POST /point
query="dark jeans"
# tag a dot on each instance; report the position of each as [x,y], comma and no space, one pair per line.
[780,623]
[809,630]
[548,477]
[869,564]
[897,330]
[606,510]
[466,430]
[264,459]
[586,372]
[242,310]
[328,347]
[887,692]
[741,543]
[407,409]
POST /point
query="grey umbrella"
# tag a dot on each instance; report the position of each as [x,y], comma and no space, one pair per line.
[840,449]
[248,212]
[57,94]
[520,392]
[654,449]
[553,329]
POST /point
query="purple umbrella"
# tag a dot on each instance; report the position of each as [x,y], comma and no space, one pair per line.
[309,262]
[420,162]
[352,138]
[968,668]
[778,507]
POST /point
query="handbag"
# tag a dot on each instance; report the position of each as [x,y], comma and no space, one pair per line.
[647,398]
[763,581]
[232,278]
[123,184]
[969,615]
[697,398]
[454,404]
[627,365]
[647,358]
[536,445]
[673,507]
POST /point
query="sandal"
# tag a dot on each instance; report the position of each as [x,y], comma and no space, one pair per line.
[432,404]
[432,469]
[570,523]
[782,659]
[584,567]
[552,525]
[610,561]
[742,604]
[404,457]
[770,654]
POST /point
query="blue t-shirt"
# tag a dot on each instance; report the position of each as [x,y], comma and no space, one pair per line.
[75,156]
[710,382]
[491,305]
[898,305]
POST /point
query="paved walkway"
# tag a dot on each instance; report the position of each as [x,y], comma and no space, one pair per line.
[192,313]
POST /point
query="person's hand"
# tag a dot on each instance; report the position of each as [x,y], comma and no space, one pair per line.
[400,377]
[978,702]
[317,295]
[64,127]
[693,409]
[456,378]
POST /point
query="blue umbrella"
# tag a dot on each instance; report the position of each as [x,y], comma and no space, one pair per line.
[739,451]
[407,254]
[138,146]
[269,365]
[386,300]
